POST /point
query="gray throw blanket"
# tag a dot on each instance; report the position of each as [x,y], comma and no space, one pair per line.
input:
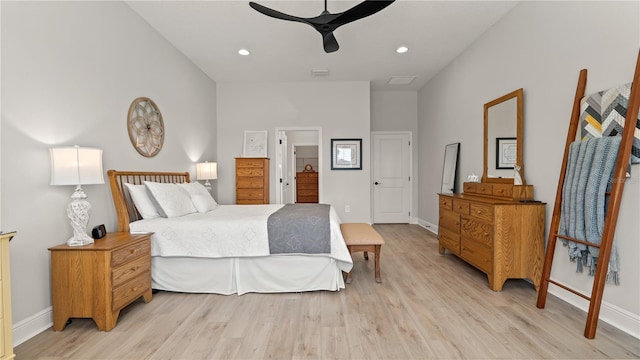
[588,176]
[300,229]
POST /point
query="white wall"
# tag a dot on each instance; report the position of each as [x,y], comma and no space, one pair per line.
[398,111]
[70,70]
[539,46]
[341,109]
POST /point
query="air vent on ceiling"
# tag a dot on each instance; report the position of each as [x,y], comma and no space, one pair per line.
[401,80]
[320,72]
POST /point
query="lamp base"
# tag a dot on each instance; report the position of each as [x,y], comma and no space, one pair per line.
[79,212]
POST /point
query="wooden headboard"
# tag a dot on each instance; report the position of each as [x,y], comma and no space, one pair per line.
[125,209]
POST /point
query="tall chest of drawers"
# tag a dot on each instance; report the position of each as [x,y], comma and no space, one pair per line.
[98,280]
[307,187]
[500,236]
[252,181]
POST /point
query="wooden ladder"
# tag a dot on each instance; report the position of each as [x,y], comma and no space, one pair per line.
[611,217]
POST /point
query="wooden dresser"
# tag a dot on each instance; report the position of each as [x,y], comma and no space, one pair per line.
[307,187]
[252,181]
[6,325]
[98,280]
[495,227]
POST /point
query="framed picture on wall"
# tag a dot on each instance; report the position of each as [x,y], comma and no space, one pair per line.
[255,143]
[505,152]
[346,154]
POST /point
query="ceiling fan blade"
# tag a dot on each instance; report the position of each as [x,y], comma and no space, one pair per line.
[363,9]
[276,14]
[330,43]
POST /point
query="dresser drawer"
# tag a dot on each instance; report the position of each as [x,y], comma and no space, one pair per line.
[461,206]
[450,221]
[259,172]
[307,186]
[484,212]
[477,231]
[130,290]
[307,179]
[469,187]
[449,240]
[446,203]
[249,182]
[484,189]
[477,254]
[503,190]
[250,194]
[249,163]
[130,270]
[131,252]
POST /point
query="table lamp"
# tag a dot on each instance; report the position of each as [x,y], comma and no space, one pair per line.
[75,165]
[207,171]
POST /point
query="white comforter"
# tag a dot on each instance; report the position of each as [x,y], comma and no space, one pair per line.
[227,231]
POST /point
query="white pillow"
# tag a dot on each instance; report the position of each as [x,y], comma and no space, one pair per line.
[142,200]
[171,199]
[202,199]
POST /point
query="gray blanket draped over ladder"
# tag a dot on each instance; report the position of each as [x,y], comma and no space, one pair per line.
[300,229]
[584,201]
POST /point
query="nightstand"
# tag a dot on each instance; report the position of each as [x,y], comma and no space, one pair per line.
[98,280]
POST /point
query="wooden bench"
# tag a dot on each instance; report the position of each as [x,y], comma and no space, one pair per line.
[363,237]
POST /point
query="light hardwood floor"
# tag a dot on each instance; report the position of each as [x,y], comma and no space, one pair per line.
[428,306]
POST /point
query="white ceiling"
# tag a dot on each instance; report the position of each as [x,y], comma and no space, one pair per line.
[210,33]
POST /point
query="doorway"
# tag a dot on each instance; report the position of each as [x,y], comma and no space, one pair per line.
[291,142]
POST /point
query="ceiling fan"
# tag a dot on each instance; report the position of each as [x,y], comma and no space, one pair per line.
[326,23]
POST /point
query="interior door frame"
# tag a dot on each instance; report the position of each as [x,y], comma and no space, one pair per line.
[279,158]
[409,134]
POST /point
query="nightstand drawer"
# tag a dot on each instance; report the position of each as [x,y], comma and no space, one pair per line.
[130,270]
[128,253]
[122,295]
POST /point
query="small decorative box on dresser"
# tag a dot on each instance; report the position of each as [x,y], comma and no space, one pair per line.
[6,326]
[495,227]
[98,280]
[252,181]
[307,187]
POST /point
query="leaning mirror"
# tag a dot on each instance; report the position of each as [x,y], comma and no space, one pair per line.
[503,138]
[450,168]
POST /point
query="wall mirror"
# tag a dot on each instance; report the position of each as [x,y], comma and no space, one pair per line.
[503,138]
[450,168]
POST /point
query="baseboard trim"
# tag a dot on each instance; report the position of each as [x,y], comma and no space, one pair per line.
[32,326]
[613,315]
[427,225]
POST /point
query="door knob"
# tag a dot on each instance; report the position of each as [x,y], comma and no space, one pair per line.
[376,183]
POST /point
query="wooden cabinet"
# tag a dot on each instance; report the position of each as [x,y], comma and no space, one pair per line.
[504,238]
[98,280]
[307,187]
[252,181]
[6,326]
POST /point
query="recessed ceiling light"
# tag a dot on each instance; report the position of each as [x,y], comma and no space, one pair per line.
[402,49]
[243,52]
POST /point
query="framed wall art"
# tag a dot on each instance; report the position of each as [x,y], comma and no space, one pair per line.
[255,143]
[346,154]
[506,151]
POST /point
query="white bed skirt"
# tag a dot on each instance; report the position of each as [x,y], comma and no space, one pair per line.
[290,273]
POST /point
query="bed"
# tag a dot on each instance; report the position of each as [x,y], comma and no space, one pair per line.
[224,250]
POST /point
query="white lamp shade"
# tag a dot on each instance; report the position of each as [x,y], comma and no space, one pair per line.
[74,165]
[206,171]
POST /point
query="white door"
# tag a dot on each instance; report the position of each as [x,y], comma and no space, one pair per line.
[391,177]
